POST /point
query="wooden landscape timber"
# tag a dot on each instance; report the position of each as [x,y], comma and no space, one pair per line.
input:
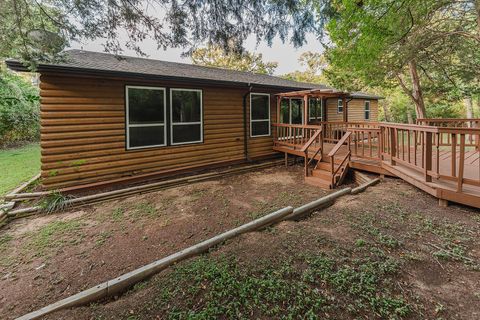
[122,283]
[131,191]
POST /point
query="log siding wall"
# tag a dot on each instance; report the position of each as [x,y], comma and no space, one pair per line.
[83,131]
[356,110]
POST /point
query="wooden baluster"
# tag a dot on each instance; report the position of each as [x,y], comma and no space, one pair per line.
[461,163]
[454,155]
[409,157]
[416,146]
[370,143]
[422,142]
[437,154]
[393,147]
[428,155]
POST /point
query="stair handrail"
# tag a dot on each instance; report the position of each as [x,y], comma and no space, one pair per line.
[334,151]
[307,145]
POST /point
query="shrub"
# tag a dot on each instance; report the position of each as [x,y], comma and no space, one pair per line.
[19,110]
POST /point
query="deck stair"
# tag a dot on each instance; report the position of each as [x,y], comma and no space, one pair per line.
[321,176]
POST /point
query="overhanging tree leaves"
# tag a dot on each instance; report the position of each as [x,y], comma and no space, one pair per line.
[214,56]
[390,43]
[170,23]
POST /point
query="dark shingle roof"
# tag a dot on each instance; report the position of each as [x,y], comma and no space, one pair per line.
[80,60]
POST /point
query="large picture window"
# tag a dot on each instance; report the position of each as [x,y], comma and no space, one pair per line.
[315,109]
[367,110]
[259,114]
[186,116]
[145,120]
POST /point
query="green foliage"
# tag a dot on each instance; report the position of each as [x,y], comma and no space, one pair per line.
[18,165]
[55,235]
[55,201]
[217,57]
[32,30]
[314,64]
[166,23]
[377,43]
[212,288]
[19,110]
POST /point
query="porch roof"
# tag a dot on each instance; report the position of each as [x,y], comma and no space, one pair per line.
[318,93]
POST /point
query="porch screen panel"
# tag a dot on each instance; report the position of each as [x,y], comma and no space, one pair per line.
[259,115]
[296,106]
[145,121]
[285,111]
[186,116]
[315,109]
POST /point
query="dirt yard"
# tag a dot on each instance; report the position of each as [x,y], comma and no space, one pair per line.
[389,252]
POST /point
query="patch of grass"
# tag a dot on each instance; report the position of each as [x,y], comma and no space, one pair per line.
[55,235]
[307,287]
[145,209]
[55,201]
[118,214]
[4,240]
[102,237]
[18,165]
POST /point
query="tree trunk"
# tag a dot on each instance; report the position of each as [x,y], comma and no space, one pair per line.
[386,112]
[467,101]
[416,94]
[409,117]
[477,112]
[477,8]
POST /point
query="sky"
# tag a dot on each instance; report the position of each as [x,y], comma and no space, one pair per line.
[283,53]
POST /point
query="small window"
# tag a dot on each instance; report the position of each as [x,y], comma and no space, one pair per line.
[315,109]
[186,116]
[145,117]
[367,110]
[259,114]
[340,106]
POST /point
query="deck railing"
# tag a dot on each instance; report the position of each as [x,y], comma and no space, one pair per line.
[436,152]
[445,139]
[292,135]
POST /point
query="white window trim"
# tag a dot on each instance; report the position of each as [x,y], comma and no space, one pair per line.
[186,123]
[321,112]
[367,102]
[339,105]
[127,117]
[260,120]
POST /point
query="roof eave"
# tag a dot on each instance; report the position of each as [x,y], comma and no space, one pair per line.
[42,68]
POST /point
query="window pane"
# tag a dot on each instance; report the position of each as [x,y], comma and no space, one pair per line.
[285,111]
[296,111]
[146,136]
[260,128]
[186,106]
[186,133]
[145,106]
[260,107]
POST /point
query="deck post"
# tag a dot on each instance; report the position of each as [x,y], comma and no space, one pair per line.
[428,155]
[345,109]
[442,203]
[305,109]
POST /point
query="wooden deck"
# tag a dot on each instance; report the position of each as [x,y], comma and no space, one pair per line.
[441,161]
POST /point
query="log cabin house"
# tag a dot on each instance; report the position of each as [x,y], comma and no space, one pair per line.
[107,119]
